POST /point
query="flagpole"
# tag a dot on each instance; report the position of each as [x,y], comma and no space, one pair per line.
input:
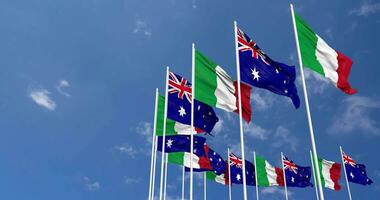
[314,148]
[154,166]
[283,171]
[153,142]
[192,118]
[315,179]
[256,183]
[204,186]
[229,175]
[163,134]
[240,113]
[166,174]
[183,182]
[345,173]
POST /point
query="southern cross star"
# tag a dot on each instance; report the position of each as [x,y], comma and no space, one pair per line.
[182,111]
[169,143]
[255,74]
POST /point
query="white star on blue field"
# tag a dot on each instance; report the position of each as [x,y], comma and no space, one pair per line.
[78,79]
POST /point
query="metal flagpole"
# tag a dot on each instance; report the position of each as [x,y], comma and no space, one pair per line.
[314,148]
[166,174]
[192,118]
[256,183]
[345,173]
[183,182]
[229,175]
[154,166]
[315,178]
[204,186]
[153,142]
[163,134]
[240,113]
[283,171]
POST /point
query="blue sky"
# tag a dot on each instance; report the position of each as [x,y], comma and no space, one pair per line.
[78,78]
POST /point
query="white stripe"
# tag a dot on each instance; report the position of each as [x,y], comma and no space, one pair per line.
[225,90]
[186,160]
[220,179]
[183,129]
[326,166]
[328,58]
[271,174]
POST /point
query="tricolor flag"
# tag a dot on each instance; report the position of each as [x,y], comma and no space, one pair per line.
[172,127]
[215,87]
[330,174]
[199,160]
[356,173]
[218,165]
[222,179]
[259,70]
[320,57]
[267,175]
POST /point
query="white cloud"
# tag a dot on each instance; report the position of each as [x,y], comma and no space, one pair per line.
[329,33]
[91,185]
[41,97]
[261,100]
[283,137]
[274,191]
[315,83]
[146,130]
[141,27]
[127,149]
[194,4]
[256,131]
[218,127]
[129,180]
[366,8]
[355,114]
[62,84]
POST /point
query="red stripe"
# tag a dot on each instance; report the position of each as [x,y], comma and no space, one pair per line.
[280,176]
[344,68]
[335,175]
[245,99]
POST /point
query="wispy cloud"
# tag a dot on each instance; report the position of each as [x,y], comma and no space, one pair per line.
[127,149]
[274,191]
[256,131]
[91,185]
[355,115]
[261,101]
[146,130]
[141,27]
[366,8]
[218,127]
[62,85]
[130,180]
[42,98]
[194,4]
[316,83]
[283,137]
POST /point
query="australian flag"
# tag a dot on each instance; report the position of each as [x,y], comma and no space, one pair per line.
[179,105]
[180,143]
[218,165]
[296,176]
[258,70]
[356,173]
[236,170]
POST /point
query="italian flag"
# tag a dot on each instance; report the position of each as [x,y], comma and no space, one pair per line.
[183,158]
[267,175]
[213,86]
[330,174]
[222,179]
[320,57]
[172,127]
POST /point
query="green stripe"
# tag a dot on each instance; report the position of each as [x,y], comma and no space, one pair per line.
[262,177]
[210,175]
[320,172]
[205,79]
[308,44]
[176,158]
[160,119]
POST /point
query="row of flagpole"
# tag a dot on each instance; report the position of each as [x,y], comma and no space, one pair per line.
[313,153]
